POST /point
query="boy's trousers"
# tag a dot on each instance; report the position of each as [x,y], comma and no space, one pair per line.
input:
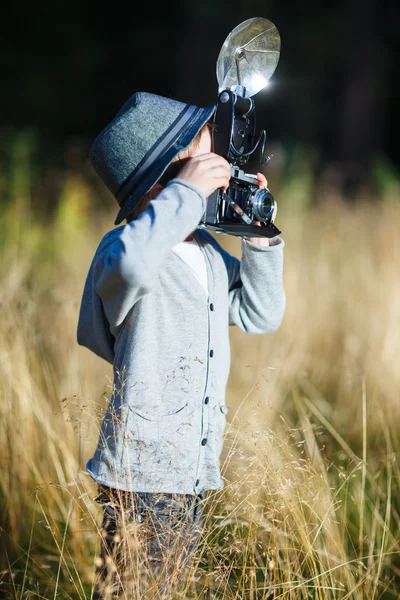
[147,540]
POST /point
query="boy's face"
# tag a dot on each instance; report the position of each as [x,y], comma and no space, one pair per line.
[204,145]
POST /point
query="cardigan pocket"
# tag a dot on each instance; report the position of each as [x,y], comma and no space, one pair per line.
[156,415]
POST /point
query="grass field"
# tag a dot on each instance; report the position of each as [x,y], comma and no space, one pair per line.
[311,504]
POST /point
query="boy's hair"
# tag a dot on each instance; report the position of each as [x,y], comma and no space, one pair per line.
[171,172]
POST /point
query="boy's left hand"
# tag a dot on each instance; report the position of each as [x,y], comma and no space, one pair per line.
[263,241]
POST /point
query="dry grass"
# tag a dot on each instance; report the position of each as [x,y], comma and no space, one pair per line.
[310,507]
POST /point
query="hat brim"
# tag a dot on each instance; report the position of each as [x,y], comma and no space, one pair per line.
[158,168]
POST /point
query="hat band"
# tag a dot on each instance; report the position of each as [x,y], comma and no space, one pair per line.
[155,151]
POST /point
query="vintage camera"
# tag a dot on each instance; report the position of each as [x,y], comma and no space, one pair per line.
[247,59]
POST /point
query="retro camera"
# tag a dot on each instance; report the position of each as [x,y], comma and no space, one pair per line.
[246,61]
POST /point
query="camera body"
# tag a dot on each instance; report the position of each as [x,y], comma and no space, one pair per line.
[236,210]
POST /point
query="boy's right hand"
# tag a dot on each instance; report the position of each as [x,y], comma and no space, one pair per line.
[207,172]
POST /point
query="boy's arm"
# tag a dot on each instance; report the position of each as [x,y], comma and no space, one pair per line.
[127,268]
[257,299]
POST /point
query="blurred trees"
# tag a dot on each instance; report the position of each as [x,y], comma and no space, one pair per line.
[68,67]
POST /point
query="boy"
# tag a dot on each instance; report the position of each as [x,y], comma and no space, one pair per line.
[157,304]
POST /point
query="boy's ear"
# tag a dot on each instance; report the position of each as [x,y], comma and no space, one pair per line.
[155,190]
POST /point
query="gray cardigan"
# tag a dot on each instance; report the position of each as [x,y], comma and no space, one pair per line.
[144,311]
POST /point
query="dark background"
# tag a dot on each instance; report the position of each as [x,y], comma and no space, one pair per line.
[66,68]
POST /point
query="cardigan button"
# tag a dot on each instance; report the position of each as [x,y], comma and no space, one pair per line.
[211,353]
[206,399]
[204,441]
[211,306]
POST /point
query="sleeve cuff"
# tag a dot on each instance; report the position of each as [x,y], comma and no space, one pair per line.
[278,244]
[188,185]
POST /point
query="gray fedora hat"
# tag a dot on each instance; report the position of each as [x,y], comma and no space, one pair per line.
[134,150]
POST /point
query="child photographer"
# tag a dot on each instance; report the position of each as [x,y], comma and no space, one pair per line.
[157,303]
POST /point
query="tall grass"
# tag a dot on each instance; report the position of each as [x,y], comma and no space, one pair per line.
[310,507]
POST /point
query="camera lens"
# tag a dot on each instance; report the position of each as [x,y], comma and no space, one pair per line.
[262,204]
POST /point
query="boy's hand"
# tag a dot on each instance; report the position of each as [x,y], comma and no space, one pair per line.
[261,241]
[207,172]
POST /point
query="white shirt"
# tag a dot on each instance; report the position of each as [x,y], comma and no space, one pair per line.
[192,255]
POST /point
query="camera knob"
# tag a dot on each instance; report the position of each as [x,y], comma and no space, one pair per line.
[224,97]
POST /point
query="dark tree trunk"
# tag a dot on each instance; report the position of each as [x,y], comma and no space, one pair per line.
[359,114]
